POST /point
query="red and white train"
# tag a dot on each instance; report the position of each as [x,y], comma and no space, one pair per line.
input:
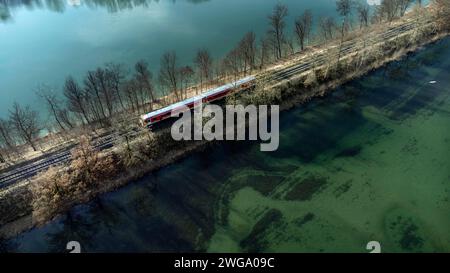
[150,119]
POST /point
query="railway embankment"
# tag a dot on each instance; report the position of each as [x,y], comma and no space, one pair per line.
[299,80]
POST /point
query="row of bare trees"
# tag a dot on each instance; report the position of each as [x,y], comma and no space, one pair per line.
[391,9]
[110,90]
[101,94]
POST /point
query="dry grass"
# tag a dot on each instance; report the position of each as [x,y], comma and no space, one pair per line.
[54,190]
[92,172]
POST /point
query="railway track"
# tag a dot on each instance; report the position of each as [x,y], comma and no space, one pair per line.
[30,170]
[34,168]
[346,49]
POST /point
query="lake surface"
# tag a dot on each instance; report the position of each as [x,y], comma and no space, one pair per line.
[44,41]
[370,162]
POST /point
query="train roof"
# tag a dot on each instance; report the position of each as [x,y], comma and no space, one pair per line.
[196,98]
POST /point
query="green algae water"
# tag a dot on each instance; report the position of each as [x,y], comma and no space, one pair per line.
[369,162]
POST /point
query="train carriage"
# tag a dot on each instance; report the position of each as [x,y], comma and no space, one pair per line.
[148,120]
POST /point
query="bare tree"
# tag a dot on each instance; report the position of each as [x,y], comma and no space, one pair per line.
[49,97]
[303,25]
[289,45]
[2,158]
[66,118]
[168,73]
[25,122]
[388,9]
[144,78]
[239,54]
[363,15]
[186,75]
[6,134]
[76,99]
[7,142]
[232,63]
[327,26]
[106,91]
[94,109]
[247,47]
[264,56]
[344,8]
[277,25]
[403,6]
[115,75]
[94,95]
[102,87]
[130,89]
[142,94]
[203,61]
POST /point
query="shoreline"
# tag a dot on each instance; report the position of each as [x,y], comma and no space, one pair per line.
[25,221]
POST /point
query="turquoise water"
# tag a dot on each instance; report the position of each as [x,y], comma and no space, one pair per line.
[370,162]
[47,40]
